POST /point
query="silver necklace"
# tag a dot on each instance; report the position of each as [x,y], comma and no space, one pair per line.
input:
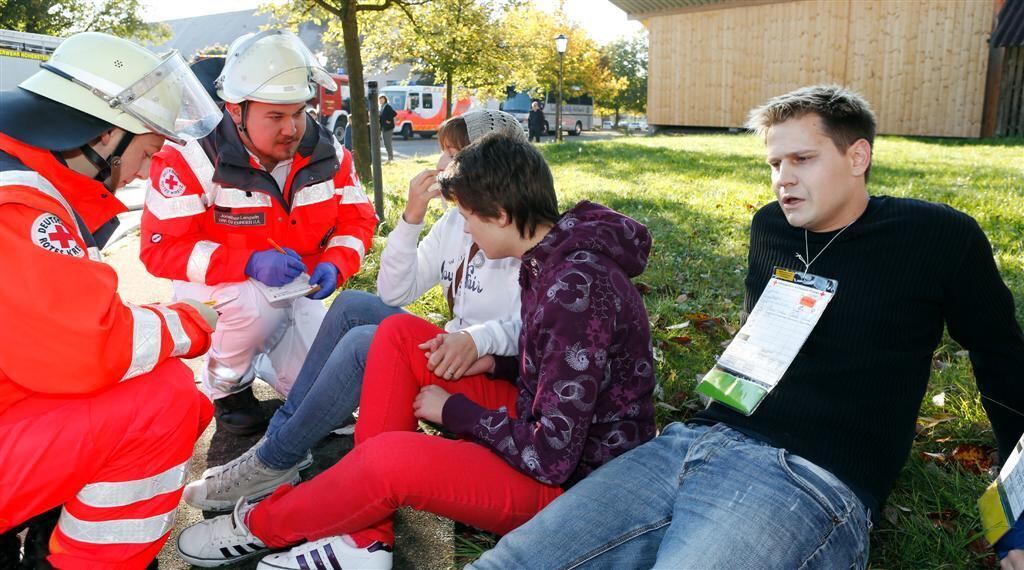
[807,253]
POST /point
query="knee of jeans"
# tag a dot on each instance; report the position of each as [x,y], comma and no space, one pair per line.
[354,307]
[356,342]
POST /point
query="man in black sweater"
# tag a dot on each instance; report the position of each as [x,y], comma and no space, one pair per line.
[795,483]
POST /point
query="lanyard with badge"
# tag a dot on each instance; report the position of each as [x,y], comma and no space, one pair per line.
[763,350]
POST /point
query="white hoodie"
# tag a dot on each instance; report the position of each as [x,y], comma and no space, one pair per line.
[487,302]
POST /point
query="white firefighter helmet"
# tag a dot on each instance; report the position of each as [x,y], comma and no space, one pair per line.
[272,66]
[126,85]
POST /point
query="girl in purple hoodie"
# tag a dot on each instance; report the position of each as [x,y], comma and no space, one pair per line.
[577,396]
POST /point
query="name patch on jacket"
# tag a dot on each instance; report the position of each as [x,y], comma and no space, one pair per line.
[230,219]
[49,233]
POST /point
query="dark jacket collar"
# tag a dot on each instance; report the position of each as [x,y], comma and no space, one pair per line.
[316,157]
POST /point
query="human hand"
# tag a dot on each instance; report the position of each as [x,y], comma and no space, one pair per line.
[429,403]
[208,313]
[450,355]
[274,268]
[422,189]
[483,365]
[1009,547]
[325,274]
[1014,560]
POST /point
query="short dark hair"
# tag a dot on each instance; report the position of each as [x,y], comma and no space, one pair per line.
[845,114]
[499,173]
[384,97]
[453,132]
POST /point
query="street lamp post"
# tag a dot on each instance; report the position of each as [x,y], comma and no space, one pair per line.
[561,43]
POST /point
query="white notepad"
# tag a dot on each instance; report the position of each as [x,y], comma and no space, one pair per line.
[299,287]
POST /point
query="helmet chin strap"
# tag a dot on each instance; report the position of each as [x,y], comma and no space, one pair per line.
[111,165]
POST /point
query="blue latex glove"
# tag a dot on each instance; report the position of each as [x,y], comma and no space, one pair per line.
[326,276]
[1012,540]
[274,268]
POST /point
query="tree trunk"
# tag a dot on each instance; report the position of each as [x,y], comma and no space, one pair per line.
[616,116]
[448,95]
[359,118]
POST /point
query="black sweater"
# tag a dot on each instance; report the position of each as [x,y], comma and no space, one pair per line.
[850,400]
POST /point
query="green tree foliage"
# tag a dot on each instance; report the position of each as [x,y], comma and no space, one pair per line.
[460,42]
[65,17]
[531,36]
[343,19]
[627,60]
[212,50]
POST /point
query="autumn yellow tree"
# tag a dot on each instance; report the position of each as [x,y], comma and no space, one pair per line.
[343,19]
[531,36]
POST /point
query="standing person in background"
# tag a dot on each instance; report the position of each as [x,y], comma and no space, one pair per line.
[387,125]
[217,206]
[536,122]
[98,415]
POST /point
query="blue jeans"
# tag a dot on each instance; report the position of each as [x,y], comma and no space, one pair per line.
[695,497]
[326,391]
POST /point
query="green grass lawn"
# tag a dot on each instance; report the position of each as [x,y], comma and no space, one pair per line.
[697,194]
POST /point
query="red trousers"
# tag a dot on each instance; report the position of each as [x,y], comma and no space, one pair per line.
[393,466]
[116,459]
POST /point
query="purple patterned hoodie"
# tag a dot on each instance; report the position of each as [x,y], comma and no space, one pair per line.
[585,372]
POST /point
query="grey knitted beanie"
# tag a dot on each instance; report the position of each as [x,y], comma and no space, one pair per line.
[482,121]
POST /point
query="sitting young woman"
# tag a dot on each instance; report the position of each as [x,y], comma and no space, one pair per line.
[577,395]
[482,294]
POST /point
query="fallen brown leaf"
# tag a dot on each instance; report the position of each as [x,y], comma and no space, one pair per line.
[681,340]
[974,458]
[943,519]
[705,322]
[983,550]
[643,288]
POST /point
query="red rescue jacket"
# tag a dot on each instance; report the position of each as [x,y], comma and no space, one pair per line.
[210,205]
[64,329]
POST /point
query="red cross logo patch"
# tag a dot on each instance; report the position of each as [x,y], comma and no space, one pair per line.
[50,233]
[170,184]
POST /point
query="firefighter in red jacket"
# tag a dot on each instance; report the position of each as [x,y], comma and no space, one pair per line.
[97,412]
[216,206]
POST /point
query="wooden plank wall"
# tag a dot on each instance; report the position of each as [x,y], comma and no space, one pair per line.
[1011,97]
[921,63]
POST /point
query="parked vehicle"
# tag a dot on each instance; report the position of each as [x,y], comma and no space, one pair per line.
[20,55]
[421,108]
[577,111]
[333,106]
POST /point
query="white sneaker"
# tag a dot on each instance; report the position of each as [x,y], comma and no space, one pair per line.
[245,476]
[306,461]
[220,541]
[333,552]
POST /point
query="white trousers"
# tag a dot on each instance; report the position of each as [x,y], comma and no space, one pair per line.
[254,338]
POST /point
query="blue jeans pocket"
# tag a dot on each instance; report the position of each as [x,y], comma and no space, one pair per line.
[850,525]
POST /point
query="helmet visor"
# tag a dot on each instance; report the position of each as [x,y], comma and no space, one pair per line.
[287,75]
[171,101]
